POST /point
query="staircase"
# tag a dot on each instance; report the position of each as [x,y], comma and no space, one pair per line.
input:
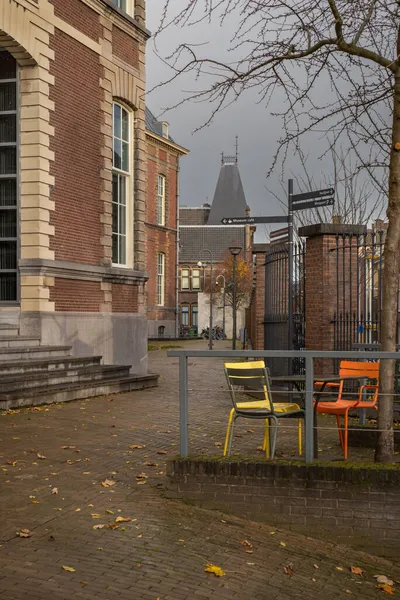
[32,374]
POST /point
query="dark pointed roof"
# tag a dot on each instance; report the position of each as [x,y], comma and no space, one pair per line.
[153,125]
[229,199]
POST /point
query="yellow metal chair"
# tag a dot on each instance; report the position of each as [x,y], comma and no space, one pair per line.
[245,376]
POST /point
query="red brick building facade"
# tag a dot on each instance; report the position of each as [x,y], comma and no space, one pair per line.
[163,156]
[77,201]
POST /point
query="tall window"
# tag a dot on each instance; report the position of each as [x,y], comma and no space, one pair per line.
[121,176]
[125,5]
[195,315]
[161,200]
[184,315]
[195,279]
[160,279]
[8,179]
[185,279]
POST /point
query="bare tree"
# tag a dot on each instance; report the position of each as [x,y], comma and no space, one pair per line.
[349,51]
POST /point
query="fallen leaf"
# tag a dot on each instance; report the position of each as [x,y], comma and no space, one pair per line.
[347,591]
[54,491]
[260,449]
[113,526]
[246,543]
[356,570]
[86,473]
[69,569]
[77,510]
[383,579]
[161,452]
[388,589]
[83,582]
[123,520]
[12,462]
[181,540]
[141,476]
[283,544]
[313,579]
[136,447]
[58,509]
[151,464]
[339,568]
[288,569]
[141,482]
[99,526]
[23,533]
[218,444]
[250,431]
[40,456]
[108,483]
[109,512]
[68,447]
[316,566]
[218,572]
[272,532]
[100,549]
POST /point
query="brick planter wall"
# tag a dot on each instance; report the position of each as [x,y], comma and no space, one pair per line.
[356,506]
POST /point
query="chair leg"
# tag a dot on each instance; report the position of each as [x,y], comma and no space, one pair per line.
[228,431]
[273,437]
[346,433]
[231,435]
[266,439]
[340,430]
[300,437]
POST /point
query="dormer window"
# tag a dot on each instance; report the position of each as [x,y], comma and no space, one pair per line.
[165,129]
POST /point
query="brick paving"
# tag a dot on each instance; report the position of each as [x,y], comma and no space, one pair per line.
[162,552]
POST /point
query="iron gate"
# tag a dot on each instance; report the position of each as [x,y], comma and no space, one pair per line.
[276,315]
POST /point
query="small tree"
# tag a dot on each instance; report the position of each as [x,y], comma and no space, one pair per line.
[244,282]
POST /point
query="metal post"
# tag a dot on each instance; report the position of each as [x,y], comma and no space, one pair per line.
[210,337]
[234,304]
[223,311]
[309,408]
[290,269]
[183,406]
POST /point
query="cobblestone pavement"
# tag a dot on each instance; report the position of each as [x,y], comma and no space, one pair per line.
[162,552]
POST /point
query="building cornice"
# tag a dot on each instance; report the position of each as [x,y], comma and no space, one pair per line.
[121,15]
[69,270]
[168,143]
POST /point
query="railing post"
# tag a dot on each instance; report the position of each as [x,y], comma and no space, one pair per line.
[183,405]
[309,416]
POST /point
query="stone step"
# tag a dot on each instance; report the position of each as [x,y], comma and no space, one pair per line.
[18,341]
[47,364]
[68,392]
[9,329]
[21,382]
[7,354]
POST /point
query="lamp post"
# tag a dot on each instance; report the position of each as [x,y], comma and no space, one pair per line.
[200,264]
[223,300]
[235,251]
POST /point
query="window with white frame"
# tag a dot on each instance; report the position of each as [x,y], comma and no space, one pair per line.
[127,6]
[195,315]
[185,279]
[184,315]
[161,200]
[120,184]
[160,279]
[195,279]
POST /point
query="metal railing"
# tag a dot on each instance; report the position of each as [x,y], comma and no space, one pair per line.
[307,355]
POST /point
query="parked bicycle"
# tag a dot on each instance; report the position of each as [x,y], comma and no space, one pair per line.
[217,333]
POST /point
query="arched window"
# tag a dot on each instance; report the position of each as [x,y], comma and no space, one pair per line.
[8,179]
[161,200]
[121,187]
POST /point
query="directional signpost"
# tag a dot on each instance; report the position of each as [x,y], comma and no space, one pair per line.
[296,202]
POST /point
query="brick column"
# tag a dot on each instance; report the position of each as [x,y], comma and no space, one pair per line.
[321,285]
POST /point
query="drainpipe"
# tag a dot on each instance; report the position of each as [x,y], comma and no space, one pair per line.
[177,254]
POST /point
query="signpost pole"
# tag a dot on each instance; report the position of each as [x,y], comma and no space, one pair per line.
[290,269]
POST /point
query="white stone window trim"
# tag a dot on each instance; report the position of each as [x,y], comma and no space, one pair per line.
[125,175]
[161,181]
[160,279]
[127,6]
[185,277]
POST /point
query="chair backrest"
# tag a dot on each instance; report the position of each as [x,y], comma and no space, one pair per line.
[352,368]
[252,375]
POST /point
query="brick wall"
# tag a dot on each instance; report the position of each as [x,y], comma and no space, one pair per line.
[356,506]
[257,322]
[79,15]
[74,295]
[124,298]
[125,47]
[77,146]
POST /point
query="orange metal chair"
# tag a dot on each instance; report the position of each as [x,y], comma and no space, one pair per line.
[342,405]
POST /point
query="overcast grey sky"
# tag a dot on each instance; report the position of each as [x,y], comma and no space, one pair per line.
[258,131]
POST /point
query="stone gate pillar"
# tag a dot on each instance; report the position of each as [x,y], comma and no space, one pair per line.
[322,281]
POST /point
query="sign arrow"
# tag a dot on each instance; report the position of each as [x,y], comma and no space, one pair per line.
[310,195]
[253,220]
[314,204]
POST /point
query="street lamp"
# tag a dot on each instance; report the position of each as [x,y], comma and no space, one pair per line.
[223,300]
[235,251]
[210,339]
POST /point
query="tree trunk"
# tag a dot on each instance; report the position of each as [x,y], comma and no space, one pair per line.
[384,447]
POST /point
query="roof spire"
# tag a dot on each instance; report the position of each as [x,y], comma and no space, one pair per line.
[231,159]
[237,149]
